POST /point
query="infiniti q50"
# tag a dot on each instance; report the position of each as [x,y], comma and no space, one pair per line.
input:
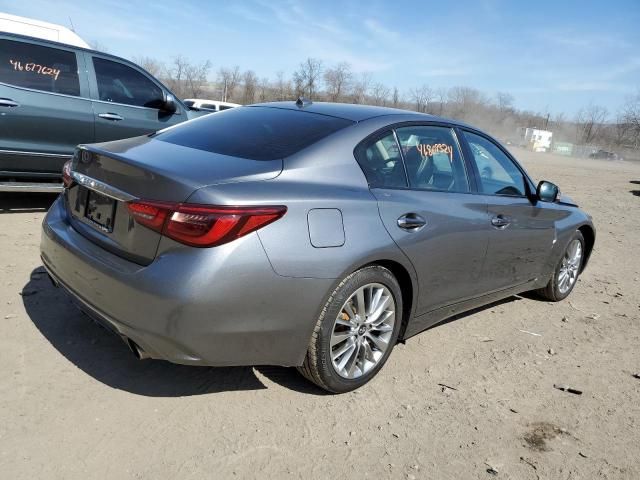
[304,234]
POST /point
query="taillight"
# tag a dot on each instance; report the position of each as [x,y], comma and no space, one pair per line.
[203,225]
[67,179]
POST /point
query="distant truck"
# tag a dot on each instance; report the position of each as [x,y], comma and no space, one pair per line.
[535,139]
[210,105]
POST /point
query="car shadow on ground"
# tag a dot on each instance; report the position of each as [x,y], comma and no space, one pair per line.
[635,192]
[105,357]
[26,202]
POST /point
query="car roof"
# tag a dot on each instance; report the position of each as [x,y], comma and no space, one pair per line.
[355,113]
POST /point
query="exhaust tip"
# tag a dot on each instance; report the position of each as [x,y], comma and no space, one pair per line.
[137,350]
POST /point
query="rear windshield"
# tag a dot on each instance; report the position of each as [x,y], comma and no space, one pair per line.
[257,133]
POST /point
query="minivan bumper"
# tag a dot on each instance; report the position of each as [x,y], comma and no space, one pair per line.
[217,306]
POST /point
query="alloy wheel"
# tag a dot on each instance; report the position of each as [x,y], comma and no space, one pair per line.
[570,266]
[362,330]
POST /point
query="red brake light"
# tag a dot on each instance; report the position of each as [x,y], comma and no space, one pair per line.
[203,225]
[150,214]
[67,179]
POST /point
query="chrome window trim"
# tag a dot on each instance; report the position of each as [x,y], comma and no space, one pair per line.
[101,187]
[35,90]
[35,154]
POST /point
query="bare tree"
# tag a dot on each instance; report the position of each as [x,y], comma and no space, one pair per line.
[282,87]
[441,100]
[250,85]
[264,90]
[630,119]
[395,98]
[380,94]
[589,122]
[464,102]
[151,65]
[195,78]
[228,80]
[307,76]
[422,98]
[361,88]
[175,75]
[337,81]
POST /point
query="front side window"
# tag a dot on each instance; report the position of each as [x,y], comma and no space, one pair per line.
[119,83]
[381,162]
[38,67]
[433,159]
[498,174]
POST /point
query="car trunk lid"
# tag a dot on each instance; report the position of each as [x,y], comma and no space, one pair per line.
[108,176]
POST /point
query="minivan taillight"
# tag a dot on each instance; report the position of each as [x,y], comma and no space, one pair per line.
[203,225]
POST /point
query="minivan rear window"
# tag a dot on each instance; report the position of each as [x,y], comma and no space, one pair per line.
[256,133]
[38,67]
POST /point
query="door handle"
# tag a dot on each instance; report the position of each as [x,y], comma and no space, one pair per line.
[111,116]
[411,222]
[7,102]
[500,221]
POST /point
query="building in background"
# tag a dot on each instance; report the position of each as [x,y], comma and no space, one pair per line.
[535,139]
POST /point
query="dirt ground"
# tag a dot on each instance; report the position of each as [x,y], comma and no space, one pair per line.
[74,403]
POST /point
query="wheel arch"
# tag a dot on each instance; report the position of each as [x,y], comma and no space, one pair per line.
[589,235]
[402,275]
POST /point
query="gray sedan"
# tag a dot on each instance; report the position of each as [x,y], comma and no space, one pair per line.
[304,234]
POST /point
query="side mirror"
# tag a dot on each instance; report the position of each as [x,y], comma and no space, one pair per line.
[547,191]
[169,103]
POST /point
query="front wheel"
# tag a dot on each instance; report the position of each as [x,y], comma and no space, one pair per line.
[565,276]
[356,331]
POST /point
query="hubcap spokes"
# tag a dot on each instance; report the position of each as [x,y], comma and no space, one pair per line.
[570,266]
[362,331]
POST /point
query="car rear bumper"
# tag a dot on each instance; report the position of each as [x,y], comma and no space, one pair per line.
[216,306]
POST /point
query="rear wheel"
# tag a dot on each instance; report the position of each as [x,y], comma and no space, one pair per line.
[355,332]
[565,276]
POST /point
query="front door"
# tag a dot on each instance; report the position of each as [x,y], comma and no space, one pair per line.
[522,232]
[127,103]
[44,106]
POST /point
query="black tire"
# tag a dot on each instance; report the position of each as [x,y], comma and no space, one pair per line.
[552,291]
[317,366]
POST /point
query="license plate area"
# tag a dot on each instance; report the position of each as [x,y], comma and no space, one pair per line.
[100,210]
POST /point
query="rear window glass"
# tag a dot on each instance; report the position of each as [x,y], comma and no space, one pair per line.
[41,68]
[257,133]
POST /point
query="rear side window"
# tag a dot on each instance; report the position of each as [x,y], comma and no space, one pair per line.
[433,159]
[381,162]
[257,133]
[38,67]
[119,83]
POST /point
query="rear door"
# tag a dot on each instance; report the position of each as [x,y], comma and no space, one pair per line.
[426,206]
[522,232]
[127,102]
[45,110]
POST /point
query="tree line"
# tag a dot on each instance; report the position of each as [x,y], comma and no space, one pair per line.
[593,125]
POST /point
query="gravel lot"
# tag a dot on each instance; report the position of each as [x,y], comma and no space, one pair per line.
[74,403]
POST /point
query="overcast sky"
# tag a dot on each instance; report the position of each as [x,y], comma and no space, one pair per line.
[551,55]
